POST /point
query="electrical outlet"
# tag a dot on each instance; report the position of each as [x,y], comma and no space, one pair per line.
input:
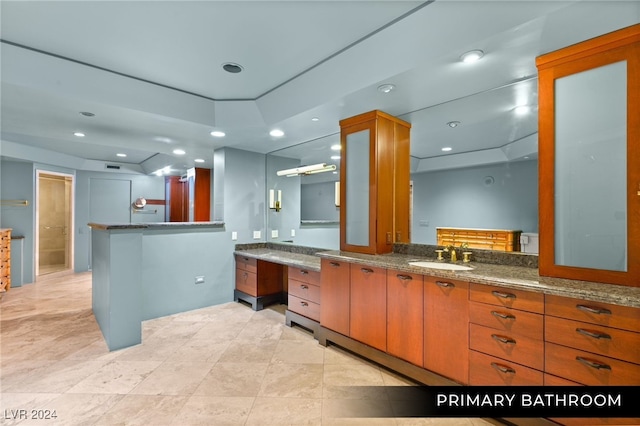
[257,235]
[200,279]
[274,233]
[234,235]
[293,232]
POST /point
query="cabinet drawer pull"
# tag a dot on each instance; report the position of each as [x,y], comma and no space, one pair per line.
[593,364]
[503,368]
[503,295]
[246,275]
[367,270]
[304,286]
[594,310]
[246,259]
[304,303]
[503,339]
[303,272]
[594,334]
[404,277]
[444,284]
[334,264]
[503,315]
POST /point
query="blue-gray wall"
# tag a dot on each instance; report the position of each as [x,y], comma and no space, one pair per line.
[465,198]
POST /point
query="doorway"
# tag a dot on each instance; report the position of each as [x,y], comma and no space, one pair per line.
[54,223]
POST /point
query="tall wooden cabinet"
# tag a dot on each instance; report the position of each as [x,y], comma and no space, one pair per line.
[368,306]
[335,296]
[589,159]
[374,177]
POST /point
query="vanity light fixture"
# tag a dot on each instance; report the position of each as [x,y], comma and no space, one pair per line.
[453,124]
[386,88]
[79,134]
[446,148]
[307,170]
[276,133]
[471,56]
[275,203]
[179,151]
[217,134]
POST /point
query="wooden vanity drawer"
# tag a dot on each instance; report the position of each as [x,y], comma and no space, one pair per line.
[248,264]
[607,341]
[506,297]
[304,275]
[492,371]
[304,307]
[246,282]
[588,368]
[305,291]
[526,324]
[508,346]
[623,317]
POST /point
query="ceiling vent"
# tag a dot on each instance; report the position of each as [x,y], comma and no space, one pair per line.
[112,166]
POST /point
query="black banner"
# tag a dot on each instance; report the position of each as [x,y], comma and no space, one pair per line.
[496,401]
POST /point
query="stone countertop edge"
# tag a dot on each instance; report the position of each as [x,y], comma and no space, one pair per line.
[514,277]
[297,260]
[154,225]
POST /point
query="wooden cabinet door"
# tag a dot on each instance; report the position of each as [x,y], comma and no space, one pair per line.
[405,316]
[368,317]
[446,328]
[334,296]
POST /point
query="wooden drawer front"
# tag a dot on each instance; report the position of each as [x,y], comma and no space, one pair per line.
[499,296]
[526,324]
[616,316]
[550,380]
[248,264]
[304,275]
[492,371]
[246,282]
[305,291]
[304,307]
[513,348]
[607,341]
[588,368]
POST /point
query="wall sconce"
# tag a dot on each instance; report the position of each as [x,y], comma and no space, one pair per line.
[275,203]
[337,194]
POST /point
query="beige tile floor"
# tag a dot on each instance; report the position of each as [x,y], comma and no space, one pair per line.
[220,365]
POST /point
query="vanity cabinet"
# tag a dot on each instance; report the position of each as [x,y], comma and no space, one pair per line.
[446,327]
[5,259]
[304,292]
[592,343]
[258,282]
[405,316]
[374,182]
[589,204]
[506,336]
[368,305]
[335,295]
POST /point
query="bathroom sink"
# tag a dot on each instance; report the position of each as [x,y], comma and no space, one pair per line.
[439,265]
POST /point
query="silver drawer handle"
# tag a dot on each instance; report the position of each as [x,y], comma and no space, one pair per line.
[593,364]
[503,295]
[304,286]
[594,334]
[503,339]
[444,284]
[303,272]
[334,264]
[503,315]
[404,277]
[367,270]
[594,310]
[304,303]
[503,368]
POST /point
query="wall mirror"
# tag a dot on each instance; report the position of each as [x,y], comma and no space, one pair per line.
[473,165]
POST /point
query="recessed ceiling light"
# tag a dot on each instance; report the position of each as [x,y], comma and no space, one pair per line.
[453,124]
[179,151]
[217,134]
[121,154]
[87,113]
[315,119]
[335,157]
[232,67]
[276,133]
[199,160]
[471,56]
[386,88]
[522,109]
[336,147]
[79,134]
[446,148]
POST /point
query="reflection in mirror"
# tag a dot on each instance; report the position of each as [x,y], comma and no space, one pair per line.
[489,178]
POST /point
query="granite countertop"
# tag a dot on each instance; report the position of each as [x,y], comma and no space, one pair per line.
[298,260]
[154,225]
[514,277]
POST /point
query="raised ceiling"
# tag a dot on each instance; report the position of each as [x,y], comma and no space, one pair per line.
[151,72]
